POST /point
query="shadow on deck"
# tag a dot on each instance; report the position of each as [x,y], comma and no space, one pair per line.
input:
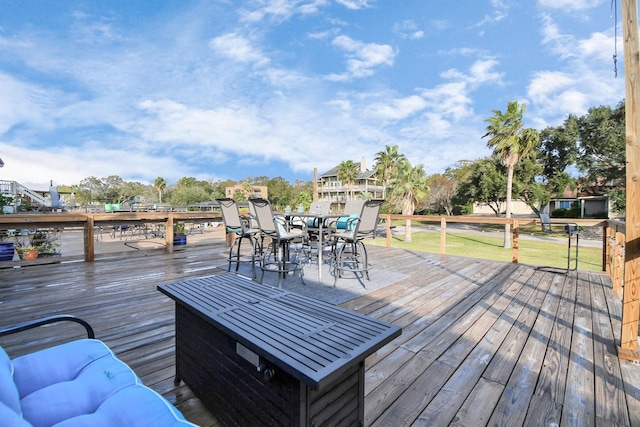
[483,343]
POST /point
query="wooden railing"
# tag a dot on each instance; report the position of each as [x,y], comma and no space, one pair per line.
[89,222]
[613,244]
[515,227]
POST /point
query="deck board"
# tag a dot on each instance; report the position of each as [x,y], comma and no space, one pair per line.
[483,343]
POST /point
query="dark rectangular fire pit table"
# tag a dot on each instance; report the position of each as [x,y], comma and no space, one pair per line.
[257,355]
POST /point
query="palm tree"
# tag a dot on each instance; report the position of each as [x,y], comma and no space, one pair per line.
[386,164]
[159,184]
[409,188]
[348,172]
[510,141]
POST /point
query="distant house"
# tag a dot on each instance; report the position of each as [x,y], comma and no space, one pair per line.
[518,208]
[330,188]
[593,202]
[252,191]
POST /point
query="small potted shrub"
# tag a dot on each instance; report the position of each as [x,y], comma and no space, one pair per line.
[24,248]
[44,243]
[179,234]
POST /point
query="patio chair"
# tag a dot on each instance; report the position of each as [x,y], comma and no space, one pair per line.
[571,230]
[349,252]
[79,382]
[239,226]
[277,256]
[352,209]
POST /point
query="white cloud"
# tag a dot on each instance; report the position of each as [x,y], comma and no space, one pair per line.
[481,72]
[493,18]
[399,108]
[562,44]
[363,58]
[586,80]
[239,48]
[408,30]
[354,4]
[20,102]
[568,5]
[281,10]
[450,100]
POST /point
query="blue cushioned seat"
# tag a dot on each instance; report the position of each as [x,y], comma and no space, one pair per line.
[79,383]
[346,221]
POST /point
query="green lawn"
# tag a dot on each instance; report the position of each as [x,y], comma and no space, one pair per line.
[486,247]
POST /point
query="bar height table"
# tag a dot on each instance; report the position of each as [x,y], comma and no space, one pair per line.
[321,218]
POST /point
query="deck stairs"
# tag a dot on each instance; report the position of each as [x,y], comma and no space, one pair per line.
[13,188]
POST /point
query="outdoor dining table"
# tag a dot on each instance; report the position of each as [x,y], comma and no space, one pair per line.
[322,218]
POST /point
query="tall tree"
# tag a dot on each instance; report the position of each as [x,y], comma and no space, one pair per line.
[409,188]
[348,172]
[160,184]
[483,181]
[386,163]
[510,141]
[601,143]
[442,189]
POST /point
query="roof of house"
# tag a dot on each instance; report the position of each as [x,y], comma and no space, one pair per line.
[367,174]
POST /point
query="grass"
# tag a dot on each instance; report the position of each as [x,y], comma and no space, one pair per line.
[530,252]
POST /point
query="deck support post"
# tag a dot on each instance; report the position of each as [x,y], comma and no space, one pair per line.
[631,301]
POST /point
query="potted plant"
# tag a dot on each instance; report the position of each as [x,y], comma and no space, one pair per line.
[179,234]
[23,247]
[44,243]
[6,247]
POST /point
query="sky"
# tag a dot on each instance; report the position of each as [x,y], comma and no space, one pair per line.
[231,89]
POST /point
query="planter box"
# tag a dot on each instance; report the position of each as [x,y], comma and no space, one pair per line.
[179,240]
[6,251]
[49,254]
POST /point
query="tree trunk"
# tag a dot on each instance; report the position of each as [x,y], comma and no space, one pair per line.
[507,227]
[407,231]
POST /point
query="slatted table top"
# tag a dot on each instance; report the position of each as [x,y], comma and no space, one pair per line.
[313,341]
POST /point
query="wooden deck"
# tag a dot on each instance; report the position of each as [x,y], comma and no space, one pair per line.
[483,343]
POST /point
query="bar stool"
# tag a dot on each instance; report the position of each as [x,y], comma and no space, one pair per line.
[277,257]
[239,226]
[349,251]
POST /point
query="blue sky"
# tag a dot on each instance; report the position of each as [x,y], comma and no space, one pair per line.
[225,89]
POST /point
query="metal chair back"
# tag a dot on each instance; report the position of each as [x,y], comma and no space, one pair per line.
[264,216]
[353,207]
[231,216]
[369,218]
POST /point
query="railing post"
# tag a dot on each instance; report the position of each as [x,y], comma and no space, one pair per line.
[618,263]
[443,235]
[516,241]
[89,241]
[169,233]
[607,250]
[388,242]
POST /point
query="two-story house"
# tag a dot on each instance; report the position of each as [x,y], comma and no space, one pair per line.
[330,188]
